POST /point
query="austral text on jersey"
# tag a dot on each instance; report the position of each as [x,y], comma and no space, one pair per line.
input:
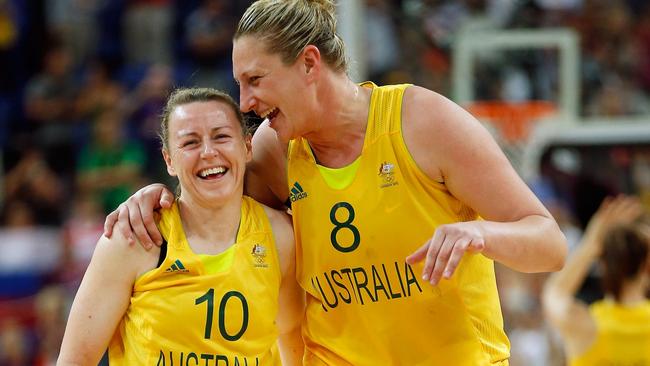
[208,359]
[379,282]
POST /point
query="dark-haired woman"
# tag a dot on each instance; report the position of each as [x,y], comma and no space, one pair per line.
[615,330]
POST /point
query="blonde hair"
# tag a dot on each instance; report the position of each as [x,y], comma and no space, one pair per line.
[288,26]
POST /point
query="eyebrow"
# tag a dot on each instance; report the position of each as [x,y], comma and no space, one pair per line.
[181,133]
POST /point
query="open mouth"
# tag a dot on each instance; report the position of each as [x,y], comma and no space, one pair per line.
[270,114]
[212,173]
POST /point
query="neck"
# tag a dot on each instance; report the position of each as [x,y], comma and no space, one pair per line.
[210,229]
[343,115]
[633,292]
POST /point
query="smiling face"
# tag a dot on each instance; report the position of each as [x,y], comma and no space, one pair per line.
[207,151]
[272,89]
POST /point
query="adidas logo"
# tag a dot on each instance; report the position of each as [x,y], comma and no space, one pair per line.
[297,193]
[176,267]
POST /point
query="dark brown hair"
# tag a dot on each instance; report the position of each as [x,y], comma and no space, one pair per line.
[625,252]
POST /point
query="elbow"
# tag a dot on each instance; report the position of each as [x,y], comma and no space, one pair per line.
[558,250]
[550,251]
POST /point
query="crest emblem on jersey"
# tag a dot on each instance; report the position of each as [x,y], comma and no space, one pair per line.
[259,254]
[387,174]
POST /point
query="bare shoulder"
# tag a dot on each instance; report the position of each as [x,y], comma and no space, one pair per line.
[131,257]
[267,171]
[283,234]
[440,134]
[452,147]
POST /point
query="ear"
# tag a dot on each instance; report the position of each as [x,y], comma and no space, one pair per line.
[249,147]
[168,162]
[311,59]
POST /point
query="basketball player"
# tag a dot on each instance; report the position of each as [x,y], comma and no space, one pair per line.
[401,200]
[615,330]
[222,287]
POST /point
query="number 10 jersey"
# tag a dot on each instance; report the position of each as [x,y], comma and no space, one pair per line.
[205,310]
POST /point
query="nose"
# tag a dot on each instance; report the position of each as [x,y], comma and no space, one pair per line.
[246,99]
[209,149]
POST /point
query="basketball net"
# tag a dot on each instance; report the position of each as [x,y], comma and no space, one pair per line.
[511,123]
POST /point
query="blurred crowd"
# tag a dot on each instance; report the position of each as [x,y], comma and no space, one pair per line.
[82,84]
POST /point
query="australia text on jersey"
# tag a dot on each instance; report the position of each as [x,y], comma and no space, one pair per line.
[375,283]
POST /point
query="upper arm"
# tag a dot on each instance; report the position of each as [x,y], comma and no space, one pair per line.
[101,301]
[266,173]
[291,301]
[452,146]
[291,298]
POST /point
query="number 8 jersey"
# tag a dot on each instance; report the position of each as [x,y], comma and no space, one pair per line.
[205,310]
[354,228]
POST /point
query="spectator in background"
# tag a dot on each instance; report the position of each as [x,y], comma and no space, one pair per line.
[617,96]
[615,330]
[142,108]
[110,166]
[49,106]
[97,91]
[147,30]
[382,48]
[35,183]
[74,22]
[209,30]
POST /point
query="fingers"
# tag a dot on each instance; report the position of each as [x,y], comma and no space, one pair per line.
[418,255]
[137,220]
[110,221]
[166,199]
[432,254]
[458,250]
[621,209]
[123,223]
[444,252]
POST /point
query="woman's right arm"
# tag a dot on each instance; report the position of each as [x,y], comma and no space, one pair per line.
[101,301]
[569,315]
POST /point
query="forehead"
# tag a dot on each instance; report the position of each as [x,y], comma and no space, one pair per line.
[250,55]
[212,114]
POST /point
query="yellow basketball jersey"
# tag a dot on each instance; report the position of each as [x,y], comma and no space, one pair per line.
[623,335]
[365,305]
[181,313]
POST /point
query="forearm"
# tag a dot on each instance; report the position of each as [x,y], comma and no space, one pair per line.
[532,244]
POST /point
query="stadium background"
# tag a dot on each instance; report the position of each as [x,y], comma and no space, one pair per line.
[82,83]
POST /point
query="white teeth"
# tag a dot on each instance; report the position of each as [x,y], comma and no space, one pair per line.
[266,113]
[218,170]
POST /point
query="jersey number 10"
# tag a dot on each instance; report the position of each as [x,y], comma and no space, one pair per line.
[209,298]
